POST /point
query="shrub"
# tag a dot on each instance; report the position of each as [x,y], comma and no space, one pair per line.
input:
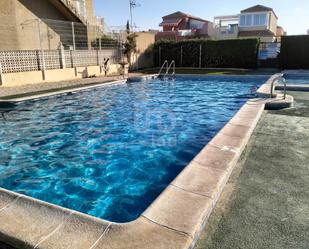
[106,42]
[240,53]
[294,52]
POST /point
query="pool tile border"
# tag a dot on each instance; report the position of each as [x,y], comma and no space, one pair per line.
[174,220]
[62,92]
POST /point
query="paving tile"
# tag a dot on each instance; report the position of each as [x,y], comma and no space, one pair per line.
[250,111]
[180,210]
[244,120]
[6,198]
[218,158]
[77,232]
[256,102]
[236,130]
[26,221]
[142,234]
[224,141]
[201,180]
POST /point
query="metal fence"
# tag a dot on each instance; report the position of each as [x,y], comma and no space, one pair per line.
[73,35]
[53,44]
[197,55]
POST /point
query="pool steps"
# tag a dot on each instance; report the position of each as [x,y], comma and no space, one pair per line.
[173,221]
[277,101]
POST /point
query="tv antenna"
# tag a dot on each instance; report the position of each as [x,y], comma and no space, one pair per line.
[133,4]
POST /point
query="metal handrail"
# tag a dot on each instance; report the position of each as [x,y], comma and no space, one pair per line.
[284,90]
[165,64]
[272,84]
[275,79]
[173,63]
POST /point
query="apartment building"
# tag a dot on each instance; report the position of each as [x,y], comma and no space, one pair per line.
[31,25]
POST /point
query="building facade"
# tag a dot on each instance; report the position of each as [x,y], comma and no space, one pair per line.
[27,25]
[226,27]
[179,25]
[254,22]
[258,21]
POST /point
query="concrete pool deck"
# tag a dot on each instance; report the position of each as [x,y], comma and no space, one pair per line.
[265,203]
[174,220]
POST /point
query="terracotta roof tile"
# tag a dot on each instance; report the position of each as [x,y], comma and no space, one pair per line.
[180,14]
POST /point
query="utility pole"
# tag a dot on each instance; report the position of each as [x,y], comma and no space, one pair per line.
[133,4]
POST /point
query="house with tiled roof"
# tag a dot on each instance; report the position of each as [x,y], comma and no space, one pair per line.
[179,25]
[257,21]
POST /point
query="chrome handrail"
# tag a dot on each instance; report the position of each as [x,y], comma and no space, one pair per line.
[284,90]
[173,63]
[275,79]
[165,64]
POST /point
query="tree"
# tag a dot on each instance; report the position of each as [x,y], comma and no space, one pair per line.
[128,27]
[130,44]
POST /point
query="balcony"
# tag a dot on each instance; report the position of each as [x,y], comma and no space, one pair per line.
[226,32]
[179,35]
[70,5]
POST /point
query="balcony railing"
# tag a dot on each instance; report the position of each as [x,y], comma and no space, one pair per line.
[188,32]
[227,31]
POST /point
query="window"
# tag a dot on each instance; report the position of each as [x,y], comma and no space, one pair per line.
[242,20]
[259,20]
[246,20]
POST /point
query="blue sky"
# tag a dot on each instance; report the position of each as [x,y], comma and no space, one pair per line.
[293,15]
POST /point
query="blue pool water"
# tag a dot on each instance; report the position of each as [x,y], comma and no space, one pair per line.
[111,151]
[297,78]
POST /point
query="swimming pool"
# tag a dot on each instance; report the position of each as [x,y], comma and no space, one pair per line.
[297,78]
[111,151]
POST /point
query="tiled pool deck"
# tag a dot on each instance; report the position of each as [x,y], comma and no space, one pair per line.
[174,220]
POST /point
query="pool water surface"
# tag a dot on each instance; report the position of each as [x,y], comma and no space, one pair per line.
[109,152]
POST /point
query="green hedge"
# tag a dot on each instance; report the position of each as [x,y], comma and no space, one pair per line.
[240,53]
[294,52]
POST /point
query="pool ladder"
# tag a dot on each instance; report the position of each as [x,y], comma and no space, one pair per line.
[167,68]
[279,79]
